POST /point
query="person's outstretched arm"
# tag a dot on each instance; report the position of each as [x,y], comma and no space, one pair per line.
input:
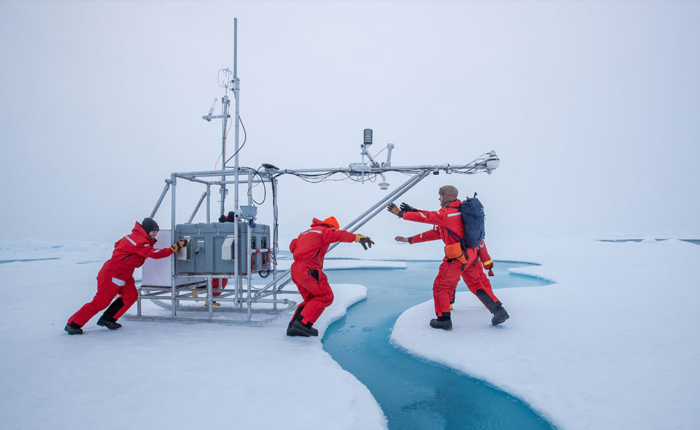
[415,215]
[426,236]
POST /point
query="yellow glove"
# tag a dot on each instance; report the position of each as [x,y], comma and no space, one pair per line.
[395,210]
[178,245]
[364,241]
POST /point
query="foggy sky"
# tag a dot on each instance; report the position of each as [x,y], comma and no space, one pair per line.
[593,108]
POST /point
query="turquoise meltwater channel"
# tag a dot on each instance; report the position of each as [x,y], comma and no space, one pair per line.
[413,393]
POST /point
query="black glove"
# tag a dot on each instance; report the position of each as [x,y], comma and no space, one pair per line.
[407,208]
[231,217]
[364,241]
[393,209]
[178,245]
[222,218]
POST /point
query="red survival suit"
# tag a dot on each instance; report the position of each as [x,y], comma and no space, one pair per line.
[117,276]
[309,250]
[450,217]
[476,279]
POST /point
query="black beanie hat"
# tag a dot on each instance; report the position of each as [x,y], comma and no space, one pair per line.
[149,225]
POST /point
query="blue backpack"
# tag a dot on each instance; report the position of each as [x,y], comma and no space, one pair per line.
[473,218]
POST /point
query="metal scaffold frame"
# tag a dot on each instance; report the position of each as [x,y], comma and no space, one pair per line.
[249,305]
[241,298]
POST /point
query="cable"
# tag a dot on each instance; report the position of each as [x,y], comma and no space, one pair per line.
[245,139]
[321,177]
[262,180]
[472,167]
[224,145]
[313,178]
[275,215]
[377,154]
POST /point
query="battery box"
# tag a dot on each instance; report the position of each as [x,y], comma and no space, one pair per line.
[210,248]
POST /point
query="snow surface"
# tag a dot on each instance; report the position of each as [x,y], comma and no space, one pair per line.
[611,345]
[151,375]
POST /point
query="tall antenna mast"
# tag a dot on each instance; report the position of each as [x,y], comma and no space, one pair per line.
[236,94]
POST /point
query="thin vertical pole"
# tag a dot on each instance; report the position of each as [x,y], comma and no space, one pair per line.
[235,45]
[208,203]
[236,96]
[224,107]
[173,283]
[210,296]
[249,255]
[272,255]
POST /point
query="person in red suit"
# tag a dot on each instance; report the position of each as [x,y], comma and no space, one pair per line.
[309,251]
[449,226]
[117,277]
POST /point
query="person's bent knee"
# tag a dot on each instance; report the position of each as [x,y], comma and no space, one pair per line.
[327,298]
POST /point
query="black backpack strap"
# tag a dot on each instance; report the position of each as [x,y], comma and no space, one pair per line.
[456,237]
[462,245]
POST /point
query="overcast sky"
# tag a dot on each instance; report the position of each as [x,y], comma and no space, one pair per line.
[593,108]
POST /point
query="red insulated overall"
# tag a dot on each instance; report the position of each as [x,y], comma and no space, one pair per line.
[309,250]
[474,275]
[117,275]
[449,217]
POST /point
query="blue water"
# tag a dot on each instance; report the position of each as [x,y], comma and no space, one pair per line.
[416,394]
[693,241]
[626,240]
[26,260]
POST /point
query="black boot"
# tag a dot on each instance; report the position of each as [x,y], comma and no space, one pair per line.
[500,316]
[300,329]
[444,322]
[297,315]
[107,318]
[109,323]
[73,328]
[496,308]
